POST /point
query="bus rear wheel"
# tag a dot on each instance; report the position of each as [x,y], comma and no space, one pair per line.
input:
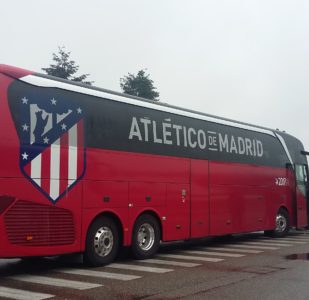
[146,237]
[282,224]
[102,242]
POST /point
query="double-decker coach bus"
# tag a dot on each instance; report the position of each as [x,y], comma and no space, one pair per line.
[87,170]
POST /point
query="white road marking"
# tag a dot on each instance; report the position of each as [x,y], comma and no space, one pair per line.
[138,268]
[235,250]
[22,294]
[267,243]
[281,240]
[79,285]
[252,247]
[297,239]
[286,240]
[215,253]
[169,263]
[99,274]
[303,237]
[188,257]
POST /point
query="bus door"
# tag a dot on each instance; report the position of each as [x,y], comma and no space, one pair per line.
[301,194]
[178,211]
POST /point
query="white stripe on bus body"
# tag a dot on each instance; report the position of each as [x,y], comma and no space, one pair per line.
[73,157]
[99,274]
[36,167]
[54,169]
[79,285]
[280,138]
[18,294]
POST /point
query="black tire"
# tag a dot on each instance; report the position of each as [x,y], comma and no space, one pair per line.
[102,243]
[282,222]
[146,237]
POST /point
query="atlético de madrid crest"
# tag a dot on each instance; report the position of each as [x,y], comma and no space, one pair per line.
[52,152]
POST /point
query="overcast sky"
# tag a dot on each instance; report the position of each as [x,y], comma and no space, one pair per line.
[245,60]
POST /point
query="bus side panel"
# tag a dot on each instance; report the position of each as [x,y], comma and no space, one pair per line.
[244,197]
[9,152]
[281,194]
[105,194]
[178,212]
[127,166]
[199,199]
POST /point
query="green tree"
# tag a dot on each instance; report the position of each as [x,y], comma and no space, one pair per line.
[139,85]
[65,68]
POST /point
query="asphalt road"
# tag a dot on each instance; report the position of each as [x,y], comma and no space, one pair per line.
[239,267]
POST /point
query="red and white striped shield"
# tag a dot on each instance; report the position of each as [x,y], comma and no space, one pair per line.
[52,152]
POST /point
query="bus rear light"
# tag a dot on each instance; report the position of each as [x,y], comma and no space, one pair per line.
[5,202]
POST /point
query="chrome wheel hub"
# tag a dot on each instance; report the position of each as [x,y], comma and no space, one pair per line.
[103,241]
[145,236]
[281,223]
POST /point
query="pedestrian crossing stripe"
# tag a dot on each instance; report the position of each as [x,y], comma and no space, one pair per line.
[169,263]
[261,243]
[138,268]
[18,294]
[55,281]
[214,253]
[188,257]
[99,274]
[223,248]
[244,245]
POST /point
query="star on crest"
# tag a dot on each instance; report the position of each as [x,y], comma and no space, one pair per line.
[63,126]
[24,156]
[25,127]
[24,100]
[53,101]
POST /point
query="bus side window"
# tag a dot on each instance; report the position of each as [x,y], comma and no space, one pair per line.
[301,178]
[304,174]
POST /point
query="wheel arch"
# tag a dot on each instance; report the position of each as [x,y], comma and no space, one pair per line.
[284,207]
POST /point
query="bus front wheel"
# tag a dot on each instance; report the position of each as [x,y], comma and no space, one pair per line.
[102,242]
[282,224]
[146,237]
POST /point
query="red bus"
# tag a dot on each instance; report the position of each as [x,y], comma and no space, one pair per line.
[87,170]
